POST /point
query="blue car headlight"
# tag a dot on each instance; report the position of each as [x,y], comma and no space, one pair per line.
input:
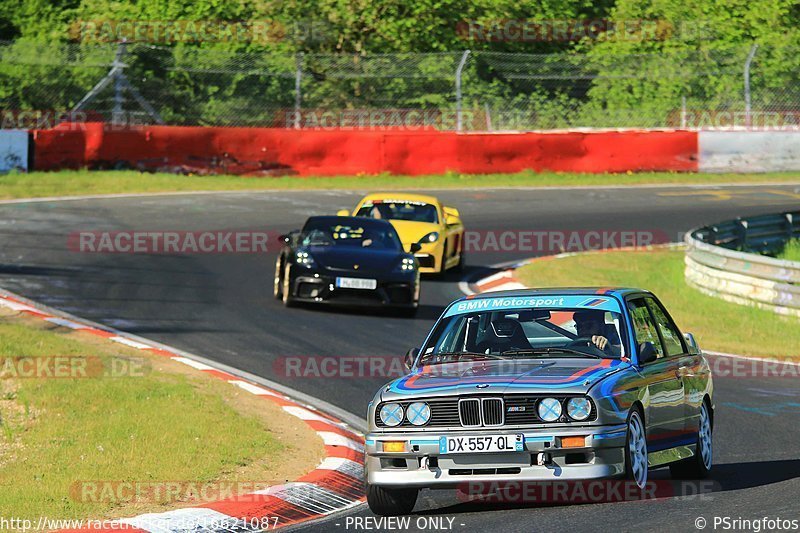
[391,414]
[407,264]
[579,408]
[549,409]
[418,413]
[430,237]
[304,258]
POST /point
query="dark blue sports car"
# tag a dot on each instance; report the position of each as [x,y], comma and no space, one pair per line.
[347,261]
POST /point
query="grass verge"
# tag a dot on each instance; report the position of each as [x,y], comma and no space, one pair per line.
[158,421]
[85,182]
[791,252]
[718,325]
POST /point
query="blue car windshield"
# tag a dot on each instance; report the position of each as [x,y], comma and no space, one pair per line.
[523,333]
[344,235]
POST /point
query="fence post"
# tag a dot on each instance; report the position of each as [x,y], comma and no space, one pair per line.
[117,112]
[683,112]
[298,77]
[747,106]
[459,70]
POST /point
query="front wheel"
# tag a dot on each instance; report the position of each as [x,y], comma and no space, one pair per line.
[699,465]
[288,301]
[391,502]
[277,285]
[636,450]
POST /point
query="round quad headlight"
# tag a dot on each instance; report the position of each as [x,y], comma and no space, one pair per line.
[579,408]
[418,413]
[430,237]
[549,409]
[392,414]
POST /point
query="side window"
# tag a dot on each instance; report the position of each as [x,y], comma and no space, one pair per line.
[670,334]
[643,326]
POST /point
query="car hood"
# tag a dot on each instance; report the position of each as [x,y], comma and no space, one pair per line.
[573,375]
[341,258]
[411,231]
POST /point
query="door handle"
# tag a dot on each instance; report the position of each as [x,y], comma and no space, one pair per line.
[683,372]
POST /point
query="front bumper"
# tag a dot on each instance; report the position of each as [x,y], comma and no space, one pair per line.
[543,458]
[430,256]
[322,289]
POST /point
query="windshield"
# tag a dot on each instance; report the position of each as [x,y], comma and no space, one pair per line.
[335,234]
[526,333]
[399,210]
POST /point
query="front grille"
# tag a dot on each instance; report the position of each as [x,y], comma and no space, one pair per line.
[426,261]
[469,412]
[510,410]
[493,412]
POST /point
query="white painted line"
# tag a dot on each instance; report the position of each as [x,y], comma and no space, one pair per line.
[344,466]
[334,439]
[254,389]
[305,414]
[309,496]
[14,306]
[129,342]
[507,286]
[66,323]
[192,363]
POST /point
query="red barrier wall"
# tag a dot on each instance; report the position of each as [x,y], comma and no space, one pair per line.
[264,151]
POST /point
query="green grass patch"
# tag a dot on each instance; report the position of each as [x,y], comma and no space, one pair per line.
[791,252]
[168,423]
[718,325]
[85,182]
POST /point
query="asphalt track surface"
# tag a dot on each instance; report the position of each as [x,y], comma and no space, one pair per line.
[220,306]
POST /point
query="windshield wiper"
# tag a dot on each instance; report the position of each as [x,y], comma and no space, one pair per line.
[550,350]
[470,354]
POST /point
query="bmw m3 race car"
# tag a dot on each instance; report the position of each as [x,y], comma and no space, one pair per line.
[537,386]
[346,260]
[420,220]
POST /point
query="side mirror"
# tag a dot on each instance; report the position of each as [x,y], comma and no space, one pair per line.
[451,215]
[415,247]
[647,353]
[691,342]
[342,213]
[411,356]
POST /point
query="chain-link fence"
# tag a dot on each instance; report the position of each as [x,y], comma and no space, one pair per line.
[470,91]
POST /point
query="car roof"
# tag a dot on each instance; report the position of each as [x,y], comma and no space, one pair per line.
[361,221]
[619,292]
[402,196]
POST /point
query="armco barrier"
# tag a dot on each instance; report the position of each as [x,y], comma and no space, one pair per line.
[264,151]
[716,267]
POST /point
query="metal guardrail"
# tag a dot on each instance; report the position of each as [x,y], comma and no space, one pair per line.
[725,260]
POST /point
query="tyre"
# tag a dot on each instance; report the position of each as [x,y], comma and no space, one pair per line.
[699,465]
[391,502]
[277,285]
[636,450]
[286,291]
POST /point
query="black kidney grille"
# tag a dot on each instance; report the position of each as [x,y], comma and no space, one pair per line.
[492,412]
[469,411]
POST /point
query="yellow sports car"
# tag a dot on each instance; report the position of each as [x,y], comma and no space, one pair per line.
[419,219]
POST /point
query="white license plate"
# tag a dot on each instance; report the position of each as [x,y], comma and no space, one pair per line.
[482,444]
[356,283]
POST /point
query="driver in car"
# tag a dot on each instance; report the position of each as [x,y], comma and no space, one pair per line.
[592,325]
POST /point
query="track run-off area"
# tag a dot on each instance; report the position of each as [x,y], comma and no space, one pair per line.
[220,306]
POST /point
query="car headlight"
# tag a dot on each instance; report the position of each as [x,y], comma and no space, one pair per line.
[304,258]
[392,414]
[549,409]
[408,263]
[430,237]
[579,408]
[418,413]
